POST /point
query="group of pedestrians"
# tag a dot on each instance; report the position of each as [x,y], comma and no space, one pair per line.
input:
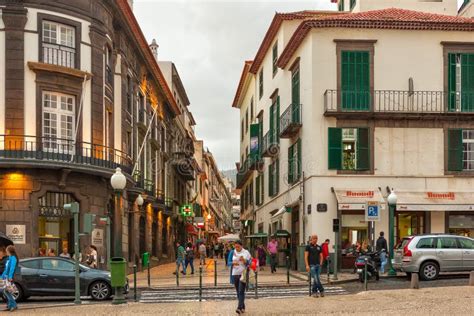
[90,259]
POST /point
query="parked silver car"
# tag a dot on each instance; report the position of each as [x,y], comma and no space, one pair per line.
[431,254]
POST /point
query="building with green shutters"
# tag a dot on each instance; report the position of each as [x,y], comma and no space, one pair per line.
[351,104]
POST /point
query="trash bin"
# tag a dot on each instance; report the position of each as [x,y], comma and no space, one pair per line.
[118,271]
[145,259]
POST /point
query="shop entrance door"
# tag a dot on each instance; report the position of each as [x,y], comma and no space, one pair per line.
[409,223]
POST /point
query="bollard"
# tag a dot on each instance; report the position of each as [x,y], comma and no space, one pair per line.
[177,275]
[329,277]
[471,278]
[200,283]
[287,270]
[215,272]
[256,284]
[135,282]
[309,281]
[365,273]
[148,268]
[415,281]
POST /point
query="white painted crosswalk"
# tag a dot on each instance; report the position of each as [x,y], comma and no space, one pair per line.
[170,295]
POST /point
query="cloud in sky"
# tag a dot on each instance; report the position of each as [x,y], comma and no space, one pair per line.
[209,41]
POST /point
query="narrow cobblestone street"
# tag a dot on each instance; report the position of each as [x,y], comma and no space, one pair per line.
[429,301]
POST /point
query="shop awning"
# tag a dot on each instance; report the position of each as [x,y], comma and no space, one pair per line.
[257,235]
[191,229]
[435,201]
[350,199]
[281,211]
[281,233]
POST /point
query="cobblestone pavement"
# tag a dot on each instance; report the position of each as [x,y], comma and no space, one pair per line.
[427,301]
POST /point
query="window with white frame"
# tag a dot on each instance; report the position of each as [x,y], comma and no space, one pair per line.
[468,149]
[59,44]
[58,121]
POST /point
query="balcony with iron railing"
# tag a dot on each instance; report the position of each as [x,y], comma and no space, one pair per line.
[51,152]
[184,168]
[253,162]
[397,103]
[290,121]
[270,144]
[59,55]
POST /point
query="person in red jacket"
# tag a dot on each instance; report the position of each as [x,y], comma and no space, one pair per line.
[325,251]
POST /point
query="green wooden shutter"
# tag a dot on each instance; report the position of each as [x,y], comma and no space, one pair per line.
[277,176]
[290,164]
[355,80]
[270,180]
[467,82]
[299,158]
[257,190]
[452,82]
[455,150]
[335,148]
[277,120]
[262,189]
[295,96]
[363,149]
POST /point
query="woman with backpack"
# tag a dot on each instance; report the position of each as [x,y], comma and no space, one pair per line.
[7,277]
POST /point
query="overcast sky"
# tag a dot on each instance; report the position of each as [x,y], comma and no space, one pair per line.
[209,40]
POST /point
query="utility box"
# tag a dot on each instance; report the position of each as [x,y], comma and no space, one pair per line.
[118,272]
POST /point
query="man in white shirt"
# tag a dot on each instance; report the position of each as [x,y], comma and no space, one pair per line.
[240,261]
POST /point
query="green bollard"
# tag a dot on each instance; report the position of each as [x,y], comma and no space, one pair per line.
[365,274]
[149,279]
[256,284]
[135,282]
[287,270]
[309,281]
[177,275]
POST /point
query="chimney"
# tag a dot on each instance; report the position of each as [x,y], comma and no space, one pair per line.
[154,48]
[130,3]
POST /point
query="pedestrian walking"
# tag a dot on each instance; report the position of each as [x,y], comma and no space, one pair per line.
[65,254]
[313,257]
[272,248]
[228,249]
[262,256]
[382,248]
[180,255]
[92,257]
[202,254]
[8,276]
[240,261]
[216,251]
[325,250]
[190,257]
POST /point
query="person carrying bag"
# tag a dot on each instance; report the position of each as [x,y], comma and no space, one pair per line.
[7,276]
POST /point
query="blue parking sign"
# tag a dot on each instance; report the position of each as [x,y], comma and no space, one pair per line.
[372,212]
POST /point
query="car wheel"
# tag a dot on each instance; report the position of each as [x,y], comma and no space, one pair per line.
[100,290]
[429,271]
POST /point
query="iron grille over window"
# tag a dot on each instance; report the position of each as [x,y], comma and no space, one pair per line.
[52,204]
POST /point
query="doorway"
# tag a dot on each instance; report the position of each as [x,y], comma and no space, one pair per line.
[408,224]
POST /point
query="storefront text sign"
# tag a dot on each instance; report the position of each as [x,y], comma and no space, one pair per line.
[360,194]
[441,196]
[372,211]
[97,237]
[16,233]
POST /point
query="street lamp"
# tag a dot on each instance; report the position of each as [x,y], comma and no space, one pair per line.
[118,182]
[392,206]
[139,200]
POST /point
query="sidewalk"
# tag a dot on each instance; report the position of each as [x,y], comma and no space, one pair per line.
[162,276]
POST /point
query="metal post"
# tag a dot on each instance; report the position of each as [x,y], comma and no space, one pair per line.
[256,284]
[336,253]
[117,226]
[177,275]
[148,268]
[215,272]
[309,281]
[391,245]
[77,288]
[287,269]
[200,283]
[365,273]
[135,282]
[328,268]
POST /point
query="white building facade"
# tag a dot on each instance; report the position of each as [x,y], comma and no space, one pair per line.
[352,104]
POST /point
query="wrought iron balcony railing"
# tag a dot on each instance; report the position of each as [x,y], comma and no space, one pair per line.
[54,151]
[59,55]
[290,121]
[253,162]
[397,101]
[270,144]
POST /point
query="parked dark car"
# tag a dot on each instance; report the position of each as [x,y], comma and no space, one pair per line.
[54,276]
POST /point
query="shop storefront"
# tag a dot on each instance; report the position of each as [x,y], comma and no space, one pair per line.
[354,229]
[434,212]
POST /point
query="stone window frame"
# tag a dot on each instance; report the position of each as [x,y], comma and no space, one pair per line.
[57,19]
